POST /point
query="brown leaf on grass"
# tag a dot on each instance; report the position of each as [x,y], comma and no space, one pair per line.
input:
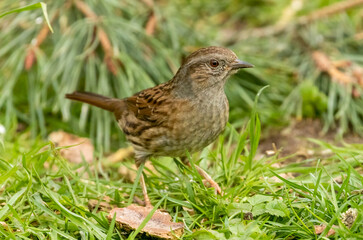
[160,225]
[318,229]
[75,154]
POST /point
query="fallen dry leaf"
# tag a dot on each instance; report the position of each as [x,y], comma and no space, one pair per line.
[74,154]
[320,228]
[160,224]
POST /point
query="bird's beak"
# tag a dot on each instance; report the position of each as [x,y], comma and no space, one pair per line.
[237,64]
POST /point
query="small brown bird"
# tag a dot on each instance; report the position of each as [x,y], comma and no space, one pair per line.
[184,114]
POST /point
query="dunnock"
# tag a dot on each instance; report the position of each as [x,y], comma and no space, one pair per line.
[184,114]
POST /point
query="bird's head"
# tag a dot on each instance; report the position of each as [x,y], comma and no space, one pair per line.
[209,67]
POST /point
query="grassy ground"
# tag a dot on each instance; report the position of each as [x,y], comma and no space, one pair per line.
[43,196]
[266,196]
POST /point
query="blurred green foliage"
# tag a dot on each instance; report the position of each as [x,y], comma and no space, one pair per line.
[267,33]
[314,102]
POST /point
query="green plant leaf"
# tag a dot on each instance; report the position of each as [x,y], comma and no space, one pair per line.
[206,235]
[238,207]
[257,199]
[259,209]
[12,201]
[277,208]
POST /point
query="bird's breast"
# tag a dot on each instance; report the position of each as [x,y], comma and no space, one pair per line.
[196,125]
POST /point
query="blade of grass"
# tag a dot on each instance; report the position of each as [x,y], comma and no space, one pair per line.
[254,129]
[112,226]
[137,180]
[41,5]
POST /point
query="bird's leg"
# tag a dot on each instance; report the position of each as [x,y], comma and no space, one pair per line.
[144,191]
[142,184]
[204,175]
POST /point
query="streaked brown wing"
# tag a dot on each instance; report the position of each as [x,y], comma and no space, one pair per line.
[150,105]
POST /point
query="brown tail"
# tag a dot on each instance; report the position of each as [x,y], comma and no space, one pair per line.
[95,100]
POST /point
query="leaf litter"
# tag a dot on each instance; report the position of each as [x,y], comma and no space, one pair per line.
[160,225]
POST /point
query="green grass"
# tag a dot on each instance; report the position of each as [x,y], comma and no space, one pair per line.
[42,196]
[50,202]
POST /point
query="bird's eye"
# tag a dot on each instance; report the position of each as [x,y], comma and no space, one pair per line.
[214,63]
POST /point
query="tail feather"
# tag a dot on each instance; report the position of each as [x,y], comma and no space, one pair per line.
[95,100]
